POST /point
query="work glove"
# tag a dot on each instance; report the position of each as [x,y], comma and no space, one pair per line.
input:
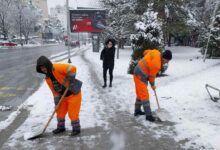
[153,87]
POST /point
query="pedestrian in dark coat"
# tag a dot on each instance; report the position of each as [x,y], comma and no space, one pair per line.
[108,58]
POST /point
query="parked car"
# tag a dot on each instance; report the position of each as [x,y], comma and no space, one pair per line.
[7,43]
[74,43]
[49,41]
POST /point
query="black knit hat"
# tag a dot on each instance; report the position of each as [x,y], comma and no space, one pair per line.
[167,54]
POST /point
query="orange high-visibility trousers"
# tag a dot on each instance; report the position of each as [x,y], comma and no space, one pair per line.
[141,89]
[70,104]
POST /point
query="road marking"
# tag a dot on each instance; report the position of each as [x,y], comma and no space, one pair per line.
[7,95]
[6,88]
[20,88]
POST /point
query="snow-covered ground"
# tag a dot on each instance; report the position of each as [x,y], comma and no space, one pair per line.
[182,93]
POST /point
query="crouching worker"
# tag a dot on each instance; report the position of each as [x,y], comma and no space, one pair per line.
[145,71]
[58,78]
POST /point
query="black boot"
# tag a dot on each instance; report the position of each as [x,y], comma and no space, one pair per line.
[59,130]
[137,108]
[76,128]
[104,86]
[60,126]
[137,113]
[150,118]
[110,85]
[147,110]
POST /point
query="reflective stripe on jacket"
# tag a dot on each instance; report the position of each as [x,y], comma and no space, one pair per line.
[60,72]
[148,67]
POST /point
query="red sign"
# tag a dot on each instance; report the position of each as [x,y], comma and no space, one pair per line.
[87,20]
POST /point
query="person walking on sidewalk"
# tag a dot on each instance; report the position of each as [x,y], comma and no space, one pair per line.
[145,71]
[58,78]
[108,58]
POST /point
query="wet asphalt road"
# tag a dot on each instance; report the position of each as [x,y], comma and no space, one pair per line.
[18,77]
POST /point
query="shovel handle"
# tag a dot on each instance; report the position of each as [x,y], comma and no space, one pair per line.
[57,106]
[158,105]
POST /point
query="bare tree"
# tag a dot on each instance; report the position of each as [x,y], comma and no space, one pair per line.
[31,16]
[5,6]
[18,17]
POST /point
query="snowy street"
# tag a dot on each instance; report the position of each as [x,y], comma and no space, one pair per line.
[18,77]
[106,116]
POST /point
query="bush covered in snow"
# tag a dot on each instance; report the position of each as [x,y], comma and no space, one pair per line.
[149,36]
[213,48]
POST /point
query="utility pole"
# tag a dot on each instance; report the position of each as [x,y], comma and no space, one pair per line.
[68,29]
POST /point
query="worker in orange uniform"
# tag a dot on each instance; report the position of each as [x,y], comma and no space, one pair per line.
[145,71]
[58,78]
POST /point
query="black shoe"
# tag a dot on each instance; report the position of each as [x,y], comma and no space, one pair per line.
[150,118]
[110,85]
[74,133]
[59,130]
[136,113]
[104,86]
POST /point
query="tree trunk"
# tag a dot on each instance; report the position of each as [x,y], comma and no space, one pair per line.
[118,49]
[26,38]
[4,30]
[169,40]
[21,42]
[120,44]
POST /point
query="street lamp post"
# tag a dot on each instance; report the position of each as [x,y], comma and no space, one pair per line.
[68,29]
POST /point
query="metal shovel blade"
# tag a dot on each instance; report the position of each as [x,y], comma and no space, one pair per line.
[163,114]
[32,136]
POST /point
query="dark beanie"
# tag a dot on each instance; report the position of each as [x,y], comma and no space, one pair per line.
[167,54]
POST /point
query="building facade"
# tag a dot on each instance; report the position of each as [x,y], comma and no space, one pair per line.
[41,4]
[59,12]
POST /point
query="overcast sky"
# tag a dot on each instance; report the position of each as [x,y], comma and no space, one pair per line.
[73,3]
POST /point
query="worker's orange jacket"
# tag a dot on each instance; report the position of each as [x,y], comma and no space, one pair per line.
[148,67]
[72,103]
[61,72]
[64,74]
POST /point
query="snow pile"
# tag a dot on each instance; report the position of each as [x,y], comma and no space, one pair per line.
[5,108]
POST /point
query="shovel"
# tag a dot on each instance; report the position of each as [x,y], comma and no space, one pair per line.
[31,136]
[162,114]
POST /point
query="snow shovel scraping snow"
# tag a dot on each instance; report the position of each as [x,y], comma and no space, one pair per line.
[32,136]
[161,113]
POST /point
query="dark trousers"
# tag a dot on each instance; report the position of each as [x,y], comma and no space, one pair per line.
[105,69]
